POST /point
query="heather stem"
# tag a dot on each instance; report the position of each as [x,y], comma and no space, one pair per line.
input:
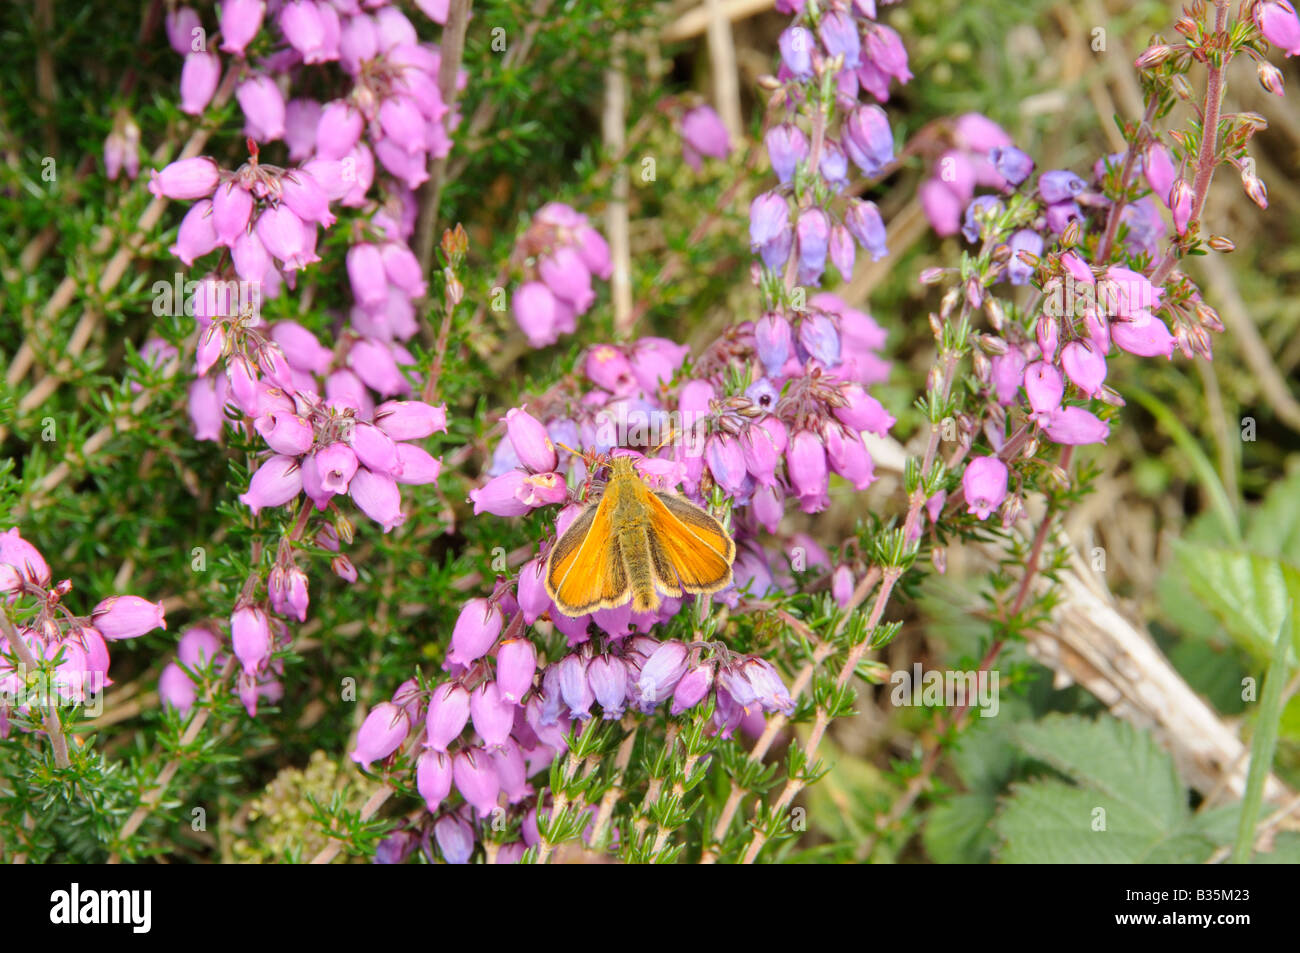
[53,728]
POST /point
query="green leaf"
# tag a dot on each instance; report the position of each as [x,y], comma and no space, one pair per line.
[1247,593]
[957,831]
[1111,757]
[1051,822]
[1265,741]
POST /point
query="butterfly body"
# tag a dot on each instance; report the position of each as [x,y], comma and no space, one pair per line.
[637,545]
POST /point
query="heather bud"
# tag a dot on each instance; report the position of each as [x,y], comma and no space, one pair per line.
[250,634]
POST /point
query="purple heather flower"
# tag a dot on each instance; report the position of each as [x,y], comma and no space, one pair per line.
[180,25]
[1060,216]
[868,140]
[607,677]
[476,779]
[1075,426]
[502,495]
[517,660]
[285,433]
[338,130]
[416,467]
[842,586]
[813,231]
[250,636]
[864,412]
[535,311]
[126,617]
[476,630]
[455,839]
[769,228]
[849,458]
[806,464]
[240,21]
[839,34]
[232,207]
[176,689]
[196,235]
[985,485]
[1045,387]
[531,442]
[819,339]
[1060,185]
[1144,335]
[703,134]
[1019,273]
[786,148]
[982,207]
[198,648]
[185,179]
[796,44]
[942,207]
[448,714]
[1180,204]
[865,224]
[726,462]
[654,361]
[773,341]
[199,78]
[692,688]
[410,419]
[1278,22]
[381,734]
[842,251]
[263,106]
[659,675]
[979,134]
[1158,167]
[1011,163]
[276,482]
[493,716]
[433,777]
[834,166]
[1084,365]
[573,686]
[377,495]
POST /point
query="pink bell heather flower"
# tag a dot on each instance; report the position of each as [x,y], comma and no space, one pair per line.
[542,489]
[864,223]
[502,495]
[24,558]
[512,771]
[493,716]
[276,482]
[1076,426]
[196,235]
[240,21]
[1278,21]
[864,412]
[303,26]
[806,464]
[868,140]
[263,106]
[839,34]
[122,148]
[692,688]
[760,453]
[574,689]
[1011,163]
[232,208]
[703,134]
[842,586]
[125,617]
[283,235]
[181,25]
[530,440]
[455,839]
[1144,335]
[433,778]
[286,433]
[475,632]
[796,44]
[654,361]
[849,458]
[338,131]
[250,634]
[199,78]
[1180,204]
[942,207]
[842,251]
[535,311]
[289,592]
[726,462]
[176,689]
[374,448]
[1045,387]
[1084,365]
[382,733]
[566,274]
[198,648]
[185,179]
[773,341]
[410,419]
[1008,373]
[1158,167]
[305,197]
[476,779]
[251,259]
[377,495]
[814,232]
[985,485]
[517,660]
[770,233]
[448,715]
[659,676]
[786,148]
[607,676]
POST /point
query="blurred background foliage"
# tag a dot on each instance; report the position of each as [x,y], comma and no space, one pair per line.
[129,511]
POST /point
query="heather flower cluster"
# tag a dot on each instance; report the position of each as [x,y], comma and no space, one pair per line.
[558,254]
[50,638]
[337,418]
[830,55]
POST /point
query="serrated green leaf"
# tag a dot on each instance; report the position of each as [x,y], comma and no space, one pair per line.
[958,831]
[1112,758]
[1247,593]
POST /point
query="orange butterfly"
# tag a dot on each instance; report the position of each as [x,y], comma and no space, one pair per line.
[635,544]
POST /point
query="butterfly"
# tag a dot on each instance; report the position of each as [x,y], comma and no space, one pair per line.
[637,544]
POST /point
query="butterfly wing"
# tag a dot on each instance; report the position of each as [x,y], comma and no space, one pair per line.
[585,570]
[692,542]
